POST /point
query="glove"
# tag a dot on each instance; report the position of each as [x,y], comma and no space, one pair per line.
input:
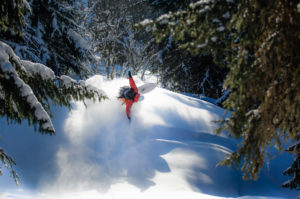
[129,119]
[129,74]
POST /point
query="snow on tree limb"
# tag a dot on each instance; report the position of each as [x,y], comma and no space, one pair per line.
[27,88]
[40,69]
[67,81]
[10,73]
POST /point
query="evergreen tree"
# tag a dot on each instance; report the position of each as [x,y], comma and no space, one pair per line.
[12,17]
[114,39]
[180,70]
[9,163]
[27,89]
[294,169]
[165,6]
[259,42]
[51,37]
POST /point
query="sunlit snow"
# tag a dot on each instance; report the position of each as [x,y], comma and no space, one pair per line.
[169,150]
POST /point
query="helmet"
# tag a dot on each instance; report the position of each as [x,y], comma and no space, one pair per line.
[130,94]
[127,93]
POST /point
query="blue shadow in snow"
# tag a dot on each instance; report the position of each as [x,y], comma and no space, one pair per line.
[33,152]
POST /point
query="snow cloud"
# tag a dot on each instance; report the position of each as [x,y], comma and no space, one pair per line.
[105,148]
[169,150]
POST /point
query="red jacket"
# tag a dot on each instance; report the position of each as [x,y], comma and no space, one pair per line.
[136,98]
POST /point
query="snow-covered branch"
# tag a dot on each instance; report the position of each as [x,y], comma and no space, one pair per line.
[26,86]
[8,163]
[7,59]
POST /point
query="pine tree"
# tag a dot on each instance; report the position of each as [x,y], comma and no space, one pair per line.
[108,27]
[12,17]
[51,37]
[259,42]
[9,163]
[28,89]
[294,169]
[114,39]
[165,6]
[180,70]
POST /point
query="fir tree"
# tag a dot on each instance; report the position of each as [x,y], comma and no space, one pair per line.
[180,70]
[294,169]
[114,39]
[165,6]
[9,163]
[51,37]
[12,17]
[258,41]
[28,89]
[108,27]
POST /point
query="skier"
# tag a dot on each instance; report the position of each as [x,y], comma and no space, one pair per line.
[129,95]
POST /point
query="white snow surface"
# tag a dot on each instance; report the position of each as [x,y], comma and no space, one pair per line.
[146,22]
[79,41]
[27,6]
[169,150]
[201,2]
[67,81]
[36,68]
[164,19]
[226,15]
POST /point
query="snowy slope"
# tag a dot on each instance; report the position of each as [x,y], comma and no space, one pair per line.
[169,150]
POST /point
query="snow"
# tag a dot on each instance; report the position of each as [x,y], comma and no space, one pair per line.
[226,15]
[216,20]
[214,39]
[40,31]
[169,150]
[254,112]
[6,67]
[67,81]
[27,6]
[40,69]
[201,2]
[55,26]
[221,28]
[202,45]
[146,22]
[79,41]
[164,19]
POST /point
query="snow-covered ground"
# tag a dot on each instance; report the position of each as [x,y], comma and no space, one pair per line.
[169,150]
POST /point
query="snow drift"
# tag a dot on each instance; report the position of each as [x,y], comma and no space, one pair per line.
[169,150]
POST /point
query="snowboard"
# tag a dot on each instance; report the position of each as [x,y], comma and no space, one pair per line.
[146,88]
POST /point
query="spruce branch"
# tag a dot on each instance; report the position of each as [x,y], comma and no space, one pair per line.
[8,163]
